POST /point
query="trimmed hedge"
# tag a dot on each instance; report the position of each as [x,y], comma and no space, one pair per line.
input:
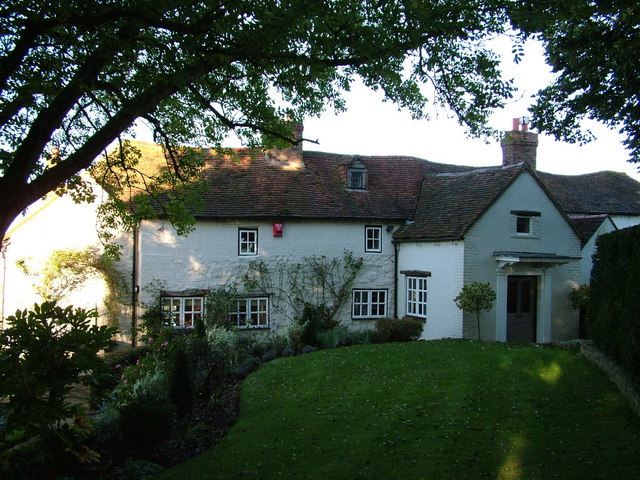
[613,313]
[398,330]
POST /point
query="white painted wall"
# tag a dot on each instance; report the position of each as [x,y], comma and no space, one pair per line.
[445,261]
[624,221]
[495,231]
[54,223]
[208,257]
[586,264]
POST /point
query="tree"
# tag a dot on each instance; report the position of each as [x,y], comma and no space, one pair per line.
[591,47]
[476,297]
[76,75]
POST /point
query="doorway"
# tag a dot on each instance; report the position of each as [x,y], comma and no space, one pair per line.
[522,306]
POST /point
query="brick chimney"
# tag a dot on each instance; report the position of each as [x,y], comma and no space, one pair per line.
[289,158]
[519,145]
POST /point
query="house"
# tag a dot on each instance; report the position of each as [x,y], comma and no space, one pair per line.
[52,224]
[422,230]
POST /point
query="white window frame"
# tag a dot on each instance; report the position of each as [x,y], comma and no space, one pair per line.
[251,313]
[369,303]
[247,242]
[182,312]
[357,176]
[373,239]
[528,219]
[417,296]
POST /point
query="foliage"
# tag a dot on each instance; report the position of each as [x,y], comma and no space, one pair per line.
[398,330]
[613,318]
[314,320]
[180,388]
[218,303]
[138,470]
[42,354]
[588,46]
[102,383]
[579,296]
[342,336]
[400,410]
[146,420]
[67,270]
[71,85]
[476,297]
[317,287]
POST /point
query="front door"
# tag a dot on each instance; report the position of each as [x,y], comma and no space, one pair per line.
[522,292]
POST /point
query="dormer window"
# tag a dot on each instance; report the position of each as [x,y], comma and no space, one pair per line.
[357,179]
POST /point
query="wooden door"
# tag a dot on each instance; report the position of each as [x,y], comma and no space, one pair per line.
[522,305]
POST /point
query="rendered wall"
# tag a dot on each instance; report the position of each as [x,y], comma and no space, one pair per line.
[208,257]
[495,232]
[55,223]
[445,262]
[586,264]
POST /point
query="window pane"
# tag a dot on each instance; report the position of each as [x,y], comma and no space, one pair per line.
[523,224]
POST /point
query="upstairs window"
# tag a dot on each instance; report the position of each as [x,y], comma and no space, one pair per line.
[357,179]
[523,225]
[526,222]
[373,239]
[247,241]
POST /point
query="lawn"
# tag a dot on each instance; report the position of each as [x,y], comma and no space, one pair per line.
[433,410]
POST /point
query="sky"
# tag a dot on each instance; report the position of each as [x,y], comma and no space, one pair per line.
[373,127]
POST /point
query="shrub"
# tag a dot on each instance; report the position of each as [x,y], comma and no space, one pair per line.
[398,330]
[103,383]
[146,420]
[180,387]
[314,320]
[42,354]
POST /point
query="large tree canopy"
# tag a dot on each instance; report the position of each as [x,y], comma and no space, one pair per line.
[593,48]
[75,74]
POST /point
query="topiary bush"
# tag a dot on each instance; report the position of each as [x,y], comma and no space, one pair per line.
[398,330]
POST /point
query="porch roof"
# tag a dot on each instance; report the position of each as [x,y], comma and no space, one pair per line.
[548,259]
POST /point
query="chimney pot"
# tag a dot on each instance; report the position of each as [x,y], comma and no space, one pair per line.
[519,145]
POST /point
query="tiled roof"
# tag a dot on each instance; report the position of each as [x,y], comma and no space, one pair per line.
[587,225]
[442,200]
[450,204]
[250,184]
[595,193]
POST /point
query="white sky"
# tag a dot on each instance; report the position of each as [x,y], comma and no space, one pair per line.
[372,127]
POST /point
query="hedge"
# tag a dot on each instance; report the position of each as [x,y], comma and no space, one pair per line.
[613,313]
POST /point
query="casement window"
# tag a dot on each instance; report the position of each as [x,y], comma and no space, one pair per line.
[357,176]
[252,312]
[373,239]
[182,312]
[526,222]
[369,304]
[247,241]
[417,296]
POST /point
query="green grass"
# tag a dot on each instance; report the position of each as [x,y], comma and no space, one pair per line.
[432,410]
